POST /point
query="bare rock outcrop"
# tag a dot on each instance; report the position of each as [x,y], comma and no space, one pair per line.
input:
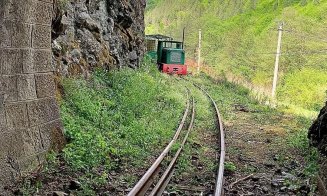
[98,33]
[318,138]
[318,131]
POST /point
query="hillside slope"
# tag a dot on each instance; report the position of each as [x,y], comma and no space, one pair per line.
[240,39]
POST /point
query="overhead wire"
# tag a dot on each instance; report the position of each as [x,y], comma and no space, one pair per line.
[312,52]
[305,36]
[322,52]
[302,35]
[287,53]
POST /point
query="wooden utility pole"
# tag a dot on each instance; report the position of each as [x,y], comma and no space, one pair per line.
[278,54]
[199,50]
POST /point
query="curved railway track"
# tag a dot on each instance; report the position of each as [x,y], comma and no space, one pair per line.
[145,185]
[220,175]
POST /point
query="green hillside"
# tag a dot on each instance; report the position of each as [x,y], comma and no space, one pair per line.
[240,40]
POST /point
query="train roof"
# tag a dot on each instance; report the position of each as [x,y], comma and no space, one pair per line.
[158,37]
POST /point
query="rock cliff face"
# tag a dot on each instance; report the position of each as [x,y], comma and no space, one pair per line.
[318,131]
[97,33]
[318,138]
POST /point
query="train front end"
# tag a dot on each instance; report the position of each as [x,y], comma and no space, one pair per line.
[171,57]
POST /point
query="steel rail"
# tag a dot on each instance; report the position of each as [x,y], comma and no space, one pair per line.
[145,182]
[220,175]
[166,177]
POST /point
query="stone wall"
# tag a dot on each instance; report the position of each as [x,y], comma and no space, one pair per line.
[29,115]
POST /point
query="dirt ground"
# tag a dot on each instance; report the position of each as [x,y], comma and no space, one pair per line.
[264,163]
[199,177]
[258,160]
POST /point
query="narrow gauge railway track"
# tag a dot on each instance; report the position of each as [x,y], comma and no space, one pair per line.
[219,189]
[143,186]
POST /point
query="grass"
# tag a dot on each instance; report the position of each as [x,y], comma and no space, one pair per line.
[198,161]
[227,95]
[112,120]
[230,166]
[115,121]
[298,140]
[123,119]
[114,116]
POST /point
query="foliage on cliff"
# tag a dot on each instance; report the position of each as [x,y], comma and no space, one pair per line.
[240,39]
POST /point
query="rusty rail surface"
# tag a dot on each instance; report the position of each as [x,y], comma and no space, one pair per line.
[146,181]
[220,175]
[165,179]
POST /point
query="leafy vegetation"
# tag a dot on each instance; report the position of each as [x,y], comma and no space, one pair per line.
[228,95]
[298,140]
[240,38]
[114,122]
[114,116]
[229,166]
[117,122]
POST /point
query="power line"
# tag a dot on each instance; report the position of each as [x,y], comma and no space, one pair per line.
[304,35]
[321,52]
[307,36]
[324,52]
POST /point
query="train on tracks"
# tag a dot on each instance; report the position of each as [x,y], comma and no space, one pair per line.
[156,179]
[168,54]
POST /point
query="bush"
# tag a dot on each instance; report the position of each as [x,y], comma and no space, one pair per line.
[305,88]
[113,119]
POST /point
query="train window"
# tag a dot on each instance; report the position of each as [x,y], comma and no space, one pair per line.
[151,45]
[172,45]
[176,57]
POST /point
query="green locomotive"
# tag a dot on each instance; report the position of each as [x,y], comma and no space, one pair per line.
[169,54]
